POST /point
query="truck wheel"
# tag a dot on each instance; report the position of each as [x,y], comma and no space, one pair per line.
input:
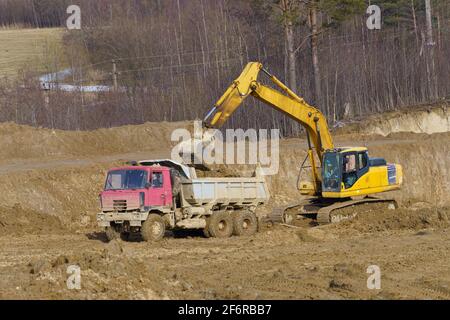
[125,236]
[206,233]
[153,228]
[220,225]
[111,233]
[244,223]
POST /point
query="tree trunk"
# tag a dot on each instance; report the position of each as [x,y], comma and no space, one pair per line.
[289,30]
[413,11]
[315,55]
[432,80]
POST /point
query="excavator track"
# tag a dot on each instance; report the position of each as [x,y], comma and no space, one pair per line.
[330,213]
[323,211]
[282,214]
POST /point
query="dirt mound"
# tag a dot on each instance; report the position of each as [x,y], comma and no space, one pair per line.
[25,142]
[372,218]
[226,171]
[17,220]
[68,193]
[99,276]
[429,119]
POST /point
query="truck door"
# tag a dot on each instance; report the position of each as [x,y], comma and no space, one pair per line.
[160,194]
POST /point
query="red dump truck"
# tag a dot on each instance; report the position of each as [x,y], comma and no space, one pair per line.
[149,197]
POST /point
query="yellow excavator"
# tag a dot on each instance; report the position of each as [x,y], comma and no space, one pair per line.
[346,177]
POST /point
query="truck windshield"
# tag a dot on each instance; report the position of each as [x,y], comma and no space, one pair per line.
[126,179]
[331,172]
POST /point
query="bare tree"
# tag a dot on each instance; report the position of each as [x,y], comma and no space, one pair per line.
[174,59]
[431,67]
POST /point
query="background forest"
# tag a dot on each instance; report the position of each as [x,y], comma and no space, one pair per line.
[174,58]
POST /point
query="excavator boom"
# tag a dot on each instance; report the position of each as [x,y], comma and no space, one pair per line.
[289,103]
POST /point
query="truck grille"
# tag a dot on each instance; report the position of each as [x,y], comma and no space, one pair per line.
[120,205]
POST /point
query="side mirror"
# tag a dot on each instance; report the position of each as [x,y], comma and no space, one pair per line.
[148,185]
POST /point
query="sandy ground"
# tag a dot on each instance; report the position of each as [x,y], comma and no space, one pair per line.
[280,263]
[49,185]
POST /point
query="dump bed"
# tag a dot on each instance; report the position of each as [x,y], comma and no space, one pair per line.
[210,191]
[233,191]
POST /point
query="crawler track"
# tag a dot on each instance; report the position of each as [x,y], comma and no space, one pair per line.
[324,211]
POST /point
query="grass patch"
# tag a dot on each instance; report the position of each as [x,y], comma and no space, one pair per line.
[29,47]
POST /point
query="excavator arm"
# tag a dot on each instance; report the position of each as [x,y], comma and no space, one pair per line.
[288,103]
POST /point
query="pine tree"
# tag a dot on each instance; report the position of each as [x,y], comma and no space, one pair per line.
[405,12]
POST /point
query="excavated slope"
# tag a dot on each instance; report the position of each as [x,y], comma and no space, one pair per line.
[422,119]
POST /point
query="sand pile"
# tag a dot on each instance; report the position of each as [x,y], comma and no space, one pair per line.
[25,142]
[377,219]
[17,220]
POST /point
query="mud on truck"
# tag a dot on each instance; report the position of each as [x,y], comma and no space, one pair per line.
[152,196]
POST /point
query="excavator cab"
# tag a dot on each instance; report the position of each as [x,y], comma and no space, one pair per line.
[349,172]
[342,168]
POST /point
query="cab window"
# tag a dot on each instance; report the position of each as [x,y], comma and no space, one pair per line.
[350,175]
[350,163]
[362,160]
[157,180]
[331,172]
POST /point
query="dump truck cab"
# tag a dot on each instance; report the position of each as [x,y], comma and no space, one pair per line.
[133,195]
[137,189]
[151,196]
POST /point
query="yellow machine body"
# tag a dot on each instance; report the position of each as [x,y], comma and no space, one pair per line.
[370,179]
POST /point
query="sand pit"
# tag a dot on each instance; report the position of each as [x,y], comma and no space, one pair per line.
[49,185]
